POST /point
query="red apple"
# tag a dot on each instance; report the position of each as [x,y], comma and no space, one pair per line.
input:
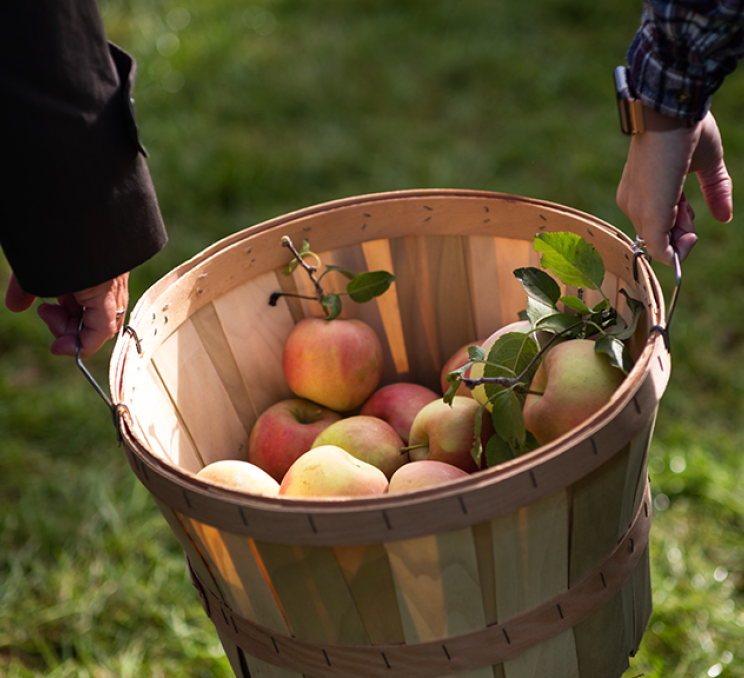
[367,438]
[417,475]
[398,404]
[284,431]
[447,433]
[329,471]
[239,475]
[335,363]
[575,382]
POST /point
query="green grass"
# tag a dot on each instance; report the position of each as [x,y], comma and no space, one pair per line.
[244,123]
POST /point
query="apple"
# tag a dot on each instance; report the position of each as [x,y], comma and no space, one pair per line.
[284,431]
[455,362]
[239,475]
[369,439]
[398,404]
[476,371]
[417,475]
[572,382]
[329,471]
[335,363]
[446,433]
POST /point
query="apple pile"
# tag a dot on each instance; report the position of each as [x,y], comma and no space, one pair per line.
[529,383]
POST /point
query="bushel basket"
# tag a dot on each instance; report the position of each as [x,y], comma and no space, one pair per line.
[537,567]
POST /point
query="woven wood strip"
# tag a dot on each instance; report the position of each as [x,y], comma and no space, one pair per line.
[490,646]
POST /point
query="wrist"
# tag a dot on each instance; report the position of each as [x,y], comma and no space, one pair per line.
[653,121]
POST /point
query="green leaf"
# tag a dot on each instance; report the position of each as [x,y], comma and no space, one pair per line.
[345,272]
[537,311]
[576,304]
[572,259]
[332,304]
[636,308]
[497,451]
[507,417]
[477,450]
[476,353]
[539,285]
[509,357]
[560,322]
[615,349]
[367,286]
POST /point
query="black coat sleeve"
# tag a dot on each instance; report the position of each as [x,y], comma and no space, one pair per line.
[77,206]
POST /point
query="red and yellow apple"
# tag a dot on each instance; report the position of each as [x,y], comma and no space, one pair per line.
[284,431]
[239,475]
[398,404]
[369,439]
[447,433]
[335,363]
[328,471]
[416,475]
[572,382]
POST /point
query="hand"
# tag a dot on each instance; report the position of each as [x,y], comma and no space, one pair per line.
[102,309]
[651,188]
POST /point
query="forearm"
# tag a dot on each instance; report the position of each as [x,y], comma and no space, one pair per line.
[79,207]
[682,52]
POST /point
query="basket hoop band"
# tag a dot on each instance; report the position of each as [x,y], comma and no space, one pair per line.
[491,645]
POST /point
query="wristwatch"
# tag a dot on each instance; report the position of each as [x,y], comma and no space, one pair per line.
[629,107]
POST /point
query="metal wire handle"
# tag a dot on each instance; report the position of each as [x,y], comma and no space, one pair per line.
[119,410]
[638,251]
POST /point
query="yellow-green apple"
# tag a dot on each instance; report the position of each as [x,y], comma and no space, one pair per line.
[284,431]
[335,363]
[476,371]
[240,475]
[329,471]
[572,382]
[398,404]
[447,433]
[369,439]
[416,475]
[455,362]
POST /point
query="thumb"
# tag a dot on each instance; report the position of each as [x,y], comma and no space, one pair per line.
[717,189]
[16,299]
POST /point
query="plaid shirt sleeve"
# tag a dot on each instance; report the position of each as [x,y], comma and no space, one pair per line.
[682,52]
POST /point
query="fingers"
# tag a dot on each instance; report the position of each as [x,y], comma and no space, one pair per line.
[102,310]
[16,299]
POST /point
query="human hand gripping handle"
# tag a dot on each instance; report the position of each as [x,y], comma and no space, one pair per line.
[101,308]
[651,190]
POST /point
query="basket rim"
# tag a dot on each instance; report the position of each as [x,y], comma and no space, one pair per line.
[640,392]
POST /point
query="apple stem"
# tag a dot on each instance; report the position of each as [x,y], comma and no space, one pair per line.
[319,293]
[408,448]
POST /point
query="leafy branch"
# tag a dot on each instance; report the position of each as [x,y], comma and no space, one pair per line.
[361,288]
[511,363]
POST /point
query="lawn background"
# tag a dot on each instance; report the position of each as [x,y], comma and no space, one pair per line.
[251,111]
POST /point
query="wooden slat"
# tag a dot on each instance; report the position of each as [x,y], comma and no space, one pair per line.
[313,593]
[256,333]
[483,266]
[367,573]
[378,257]
[436,579]
[511,254]
[531,564]
[161,427]
[198,393]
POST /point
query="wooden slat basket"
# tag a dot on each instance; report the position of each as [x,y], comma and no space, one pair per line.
[538,567]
